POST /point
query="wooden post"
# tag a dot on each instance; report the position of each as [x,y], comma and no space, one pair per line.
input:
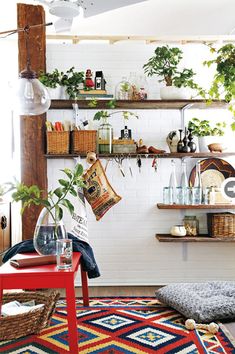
[32,128]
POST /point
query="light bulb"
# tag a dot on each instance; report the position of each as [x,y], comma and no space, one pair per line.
[33,97]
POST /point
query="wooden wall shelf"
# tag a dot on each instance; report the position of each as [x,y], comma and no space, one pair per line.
[201,238]
[201,206]
[148,104]
[165,155]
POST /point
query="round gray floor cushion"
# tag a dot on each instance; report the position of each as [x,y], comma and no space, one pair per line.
[204,302]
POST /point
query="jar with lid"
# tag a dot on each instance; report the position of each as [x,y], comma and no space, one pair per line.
[191,225]
[123,90]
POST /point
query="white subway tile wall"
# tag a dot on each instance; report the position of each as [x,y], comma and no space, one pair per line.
[124,241]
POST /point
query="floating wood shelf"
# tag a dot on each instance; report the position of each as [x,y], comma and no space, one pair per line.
[165,155]
[200,238]
[201,206]
[148,104]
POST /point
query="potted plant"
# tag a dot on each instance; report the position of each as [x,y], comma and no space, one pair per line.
[206,133]
[73,81]
[165,64]
[223,84]
[52,82]
[49,225]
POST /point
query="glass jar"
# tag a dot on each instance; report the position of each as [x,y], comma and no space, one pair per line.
[105,135]
[139,87]
[123,90]
[191,225]
[47,231]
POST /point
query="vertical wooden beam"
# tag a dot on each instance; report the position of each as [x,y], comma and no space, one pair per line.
[32,134]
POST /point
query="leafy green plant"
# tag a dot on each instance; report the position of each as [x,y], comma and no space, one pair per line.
[111,105]
[74,82]
[165,64]
[203,128]
[224,79]
[56,199]
[51,80]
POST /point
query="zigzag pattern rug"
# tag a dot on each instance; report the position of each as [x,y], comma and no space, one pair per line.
[122,326]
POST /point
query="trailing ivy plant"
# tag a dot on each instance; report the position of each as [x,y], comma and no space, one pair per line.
[73,81]
[203,128]
[224,79]
[56,199]
[165,64]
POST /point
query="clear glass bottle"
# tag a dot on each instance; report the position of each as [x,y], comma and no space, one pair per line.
[191,225]
[134,85]
[173,181]
[105,135]
[198,180]
[184,182]
[123,90]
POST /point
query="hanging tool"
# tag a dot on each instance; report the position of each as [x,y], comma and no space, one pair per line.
[129,165]
[119,160]
[139,163]
[155,164]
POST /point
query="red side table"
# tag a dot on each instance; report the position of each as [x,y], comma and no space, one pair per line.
[48,276]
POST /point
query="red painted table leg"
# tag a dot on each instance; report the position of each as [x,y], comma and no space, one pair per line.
[85,293]
[72,318]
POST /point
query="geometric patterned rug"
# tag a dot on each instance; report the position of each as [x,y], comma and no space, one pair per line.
[122,325]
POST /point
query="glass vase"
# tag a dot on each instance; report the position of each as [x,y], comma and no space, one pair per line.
[46,232]
[105,134]
[123,90]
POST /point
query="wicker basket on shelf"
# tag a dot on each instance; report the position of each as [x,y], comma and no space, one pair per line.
[32,322]
[58,142]
[221,224]
[84,141]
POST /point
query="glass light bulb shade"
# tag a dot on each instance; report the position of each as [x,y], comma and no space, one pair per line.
[32,97]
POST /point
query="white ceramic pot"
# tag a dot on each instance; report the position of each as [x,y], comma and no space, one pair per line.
[178,231]
[54,93]
[175,93]
[63,93]
[204,141]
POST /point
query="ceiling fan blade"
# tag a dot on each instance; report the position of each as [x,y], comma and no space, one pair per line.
[95,7]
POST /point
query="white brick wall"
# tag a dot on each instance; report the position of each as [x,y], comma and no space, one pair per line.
[124,240]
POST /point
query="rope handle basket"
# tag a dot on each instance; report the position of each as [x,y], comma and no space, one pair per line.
[32,322]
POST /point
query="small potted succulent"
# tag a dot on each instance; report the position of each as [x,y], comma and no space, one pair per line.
[223,85]
[207,134]
[52,82]
[165,63]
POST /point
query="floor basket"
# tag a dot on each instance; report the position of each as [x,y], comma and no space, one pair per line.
[221,224]
[13,327]
[84,141]
[58,142]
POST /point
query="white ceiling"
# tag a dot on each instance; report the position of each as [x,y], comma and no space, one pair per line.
[150,18]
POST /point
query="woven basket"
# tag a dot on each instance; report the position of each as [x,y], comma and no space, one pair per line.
[84,141]
[12,327]
[58,142]
[221,224]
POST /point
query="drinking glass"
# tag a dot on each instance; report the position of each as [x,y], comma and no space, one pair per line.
[167,195]
[64,252]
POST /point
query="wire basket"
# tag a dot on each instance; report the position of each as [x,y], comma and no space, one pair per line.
[58,142]
[221,224]
[84,141]
[32,322]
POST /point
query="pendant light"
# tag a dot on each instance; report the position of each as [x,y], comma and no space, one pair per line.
[32,96]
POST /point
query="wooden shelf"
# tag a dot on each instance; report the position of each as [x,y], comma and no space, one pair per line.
[148,104]
[165,155]
[201,206]
[200,238]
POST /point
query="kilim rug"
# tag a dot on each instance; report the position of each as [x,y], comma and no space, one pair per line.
[122,326]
